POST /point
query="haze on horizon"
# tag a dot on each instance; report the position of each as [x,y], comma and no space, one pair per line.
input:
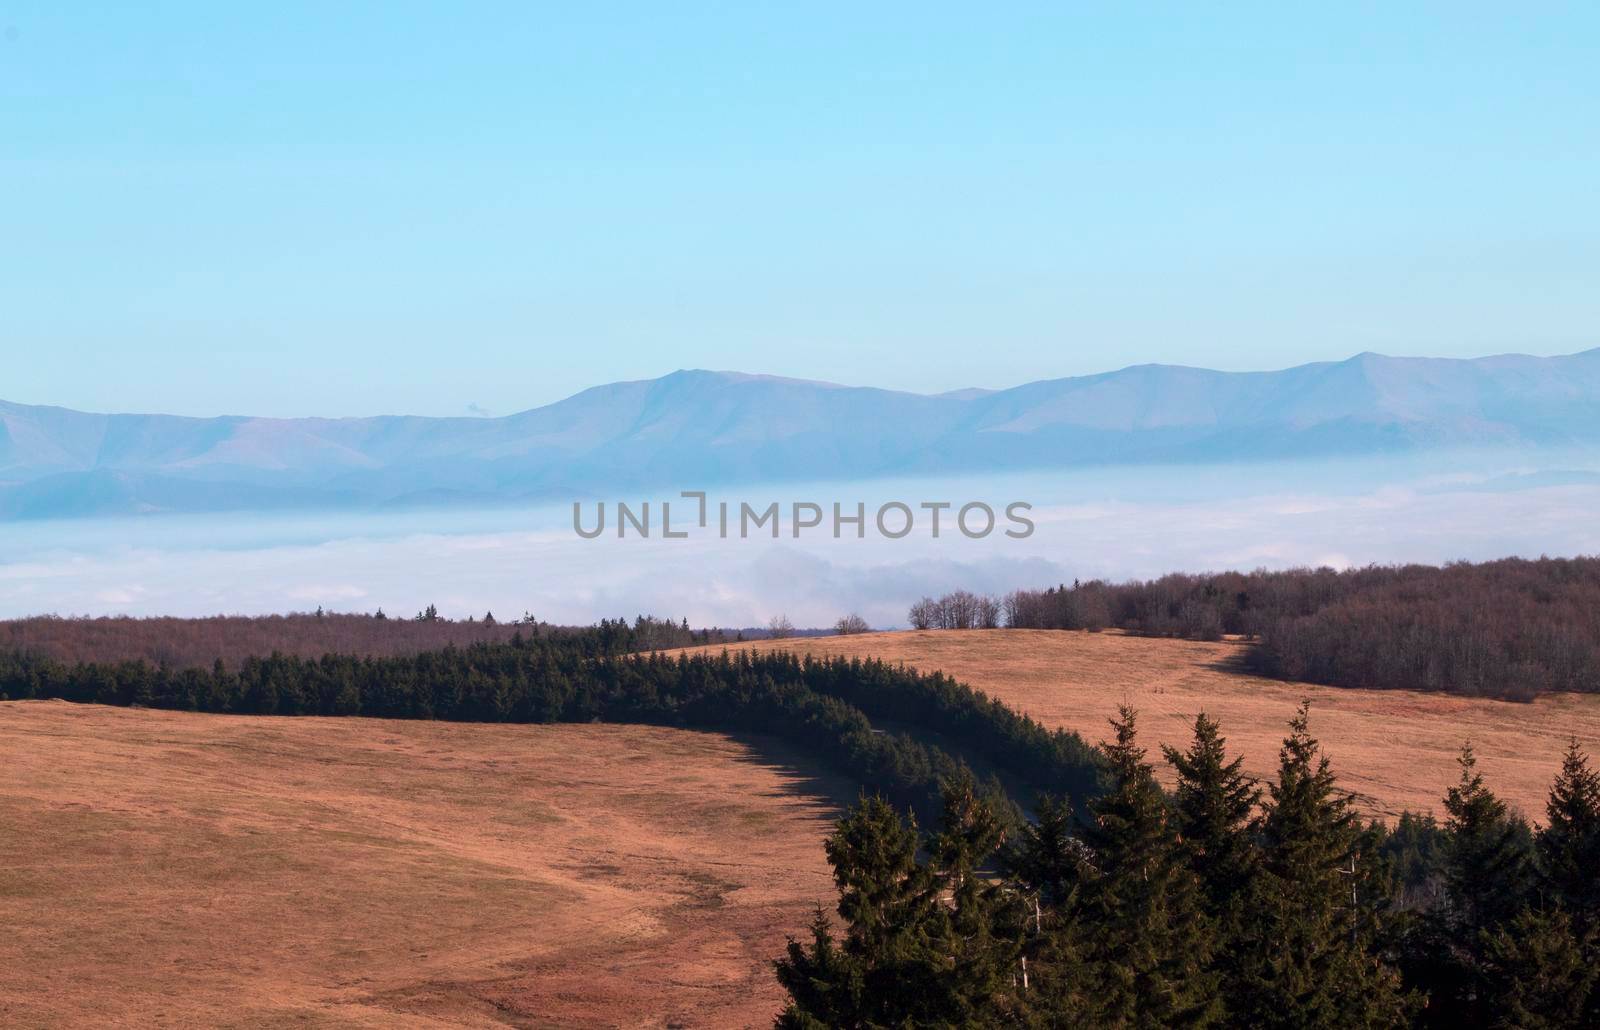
[304,211]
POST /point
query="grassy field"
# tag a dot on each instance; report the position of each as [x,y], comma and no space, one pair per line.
[161,868]
[1396,749]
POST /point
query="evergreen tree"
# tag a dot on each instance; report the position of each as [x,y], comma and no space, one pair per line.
[1569,844]
[1310,960]
[1486,870]
[980,949]
[824,984]
[1046,864]
[1151,945]
[1487,855]
[1214,808]
[883,973]
[1542,971]
[1046,860]
[1413,849]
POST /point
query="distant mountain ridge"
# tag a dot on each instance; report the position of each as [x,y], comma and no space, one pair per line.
[695,428]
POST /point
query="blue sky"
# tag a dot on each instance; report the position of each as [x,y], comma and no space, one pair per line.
[445,208]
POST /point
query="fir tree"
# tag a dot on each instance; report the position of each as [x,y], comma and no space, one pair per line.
[1309,962]
[824,984]
[1214,808]
[1569,844]
[980,955]
[1046,864]
[884,973]
[1487,859]
[1046,860]
[1542,973]
[1485,863]
[1151,946]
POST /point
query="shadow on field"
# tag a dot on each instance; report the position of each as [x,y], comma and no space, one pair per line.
[1236,662]
[805,778]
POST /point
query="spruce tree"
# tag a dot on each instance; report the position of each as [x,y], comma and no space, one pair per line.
[1151,945]
[1214,809]
[1046,861]
[1310,959]
[824,984]
[978,950]
[1569,844]
[1046,865]
[884,972]
[1541,972]
[1487,861]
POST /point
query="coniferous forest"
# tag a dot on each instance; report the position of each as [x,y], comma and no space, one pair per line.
[826,708]
[1223,903]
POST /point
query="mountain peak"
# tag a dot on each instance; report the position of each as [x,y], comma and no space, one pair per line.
[704,426]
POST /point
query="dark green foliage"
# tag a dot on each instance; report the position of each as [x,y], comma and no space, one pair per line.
[1046,865]
[1413,851]
[1311,957]
[1488,855]
[825,707]
[1046,860]
[824,984]
[1151,950]
[1158,913]
[1485,867]
[1214,809]
[980,950]
[1569,844]
[920,944]
[1541,972]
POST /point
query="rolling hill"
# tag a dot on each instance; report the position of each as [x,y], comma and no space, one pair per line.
[175,869]
[718,428]
[1396,749]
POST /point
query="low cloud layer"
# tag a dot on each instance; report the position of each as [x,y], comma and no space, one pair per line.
[508,562]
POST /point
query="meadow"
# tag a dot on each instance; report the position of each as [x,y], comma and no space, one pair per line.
[1396,749]
[170,868]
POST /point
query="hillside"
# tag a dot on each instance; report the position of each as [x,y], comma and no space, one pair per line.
[718,428]
[181,869]
[1397,748]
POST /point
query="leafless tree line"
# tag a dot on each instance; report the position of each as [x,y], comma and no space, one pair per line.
[960,609]
[1512,628]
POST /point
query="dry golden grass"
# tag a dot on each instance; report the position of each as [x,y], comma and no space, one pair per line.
[1396,749]
[161,868]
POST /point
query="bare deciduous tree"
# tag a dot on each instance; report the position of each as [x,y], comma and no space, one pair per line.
[850,624]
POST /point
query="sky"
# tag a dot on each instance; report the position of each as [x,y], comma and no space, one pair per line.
[479,208]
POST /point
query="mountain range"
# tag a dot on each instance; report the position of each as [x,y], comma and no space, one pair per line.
[699,428]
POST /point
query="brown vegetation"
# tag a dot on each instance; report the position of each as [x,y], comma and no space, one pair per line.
[1510,628]
[181,869]
[1397,748]
[198,642]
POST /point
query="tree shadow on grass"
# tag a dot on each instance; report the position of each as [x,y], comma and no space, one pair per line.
[806,777]
[1237,662]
